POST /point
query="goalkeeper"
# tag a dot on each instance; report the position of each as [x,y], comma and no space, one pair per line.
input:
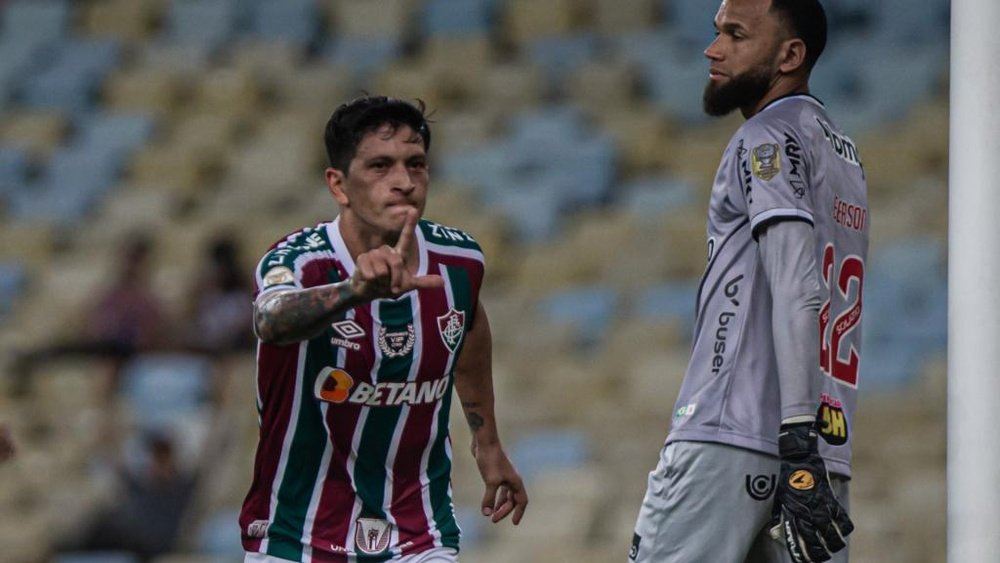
[760,442]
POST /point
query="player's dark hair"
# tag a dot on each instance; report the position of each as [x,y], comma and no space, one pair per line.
[806,20]
[353,120]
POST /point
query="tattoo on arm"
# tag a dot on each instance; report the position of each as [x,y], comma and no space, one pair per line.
[292,316]
[475,421]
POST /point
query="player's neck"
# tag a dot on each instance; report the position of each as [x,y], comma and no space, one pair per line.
[784,85]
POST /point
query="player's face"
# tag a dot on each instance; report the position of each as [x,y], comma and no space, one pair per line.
[387,177]
[744,56]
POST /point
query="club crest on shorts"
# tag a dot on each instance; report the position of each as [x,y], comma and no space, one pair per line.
[766,161]
[397,343]
[371,535]
[451,325]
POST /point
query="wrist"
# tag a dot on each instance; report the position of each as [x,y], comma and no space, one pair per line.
[797,440]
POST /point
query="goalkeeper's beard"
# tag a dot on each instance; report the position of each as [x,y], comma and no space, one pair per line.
[740,91]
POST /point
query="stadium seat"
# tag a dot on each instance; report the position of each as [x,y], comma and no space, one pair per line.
[35,22]
[73,79]
[550,450]
[218,535]
[364,56]
[163,388]
[590,310]
[37,133]
[12,280]
[560,55]
[295,22]
[650,197]
[614,17]
[208,23]
[117,133]
[13,170]
[146,89]
[386,20]
[673,302]
[126,20]
[458,18]
[527,20]
[692,20]
[17,59]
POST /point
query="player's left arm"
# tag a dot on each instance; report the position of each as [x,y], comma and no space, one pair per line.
[505,493]
[788,257]
[812,521]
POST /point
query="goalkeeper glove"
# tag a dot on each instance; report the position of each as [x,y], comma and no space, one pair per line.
[813,523]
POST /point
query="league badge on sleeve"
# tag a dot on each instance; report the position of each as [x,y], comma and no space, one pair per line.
[766,161]
[451,325]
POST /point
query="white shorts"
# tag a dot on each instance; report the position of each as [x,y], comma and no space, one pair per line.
[435,555]
[713,502]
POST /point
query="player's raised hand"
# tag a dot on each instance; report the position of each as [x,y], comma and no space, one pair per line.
[384,271]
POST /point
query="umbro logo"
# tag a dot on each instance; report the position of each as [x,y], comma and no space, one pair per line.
[347,331]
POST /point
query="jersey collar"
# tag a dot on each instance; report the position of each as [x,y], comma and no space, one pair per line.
[344,255]
[780,100]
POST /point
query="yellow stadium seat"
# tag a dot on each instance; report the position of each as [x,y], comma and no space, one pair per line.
[38,132]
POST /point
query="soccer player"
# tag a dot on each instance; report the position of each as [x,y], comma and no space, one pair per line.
[365,324]
[760,441]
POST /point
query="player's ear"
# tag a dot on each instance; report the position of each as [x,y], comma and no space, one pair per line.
[335,180]
[791,55]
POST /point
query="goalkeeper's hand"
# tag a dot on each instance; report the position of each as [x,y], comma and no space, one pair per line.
[813,523]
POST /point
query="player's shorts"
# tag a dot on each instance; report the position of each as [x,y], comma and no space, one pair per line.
[713,502]
[435,555]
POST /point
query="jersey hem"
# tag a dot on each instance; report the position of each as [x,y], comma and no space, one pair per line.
[833,465]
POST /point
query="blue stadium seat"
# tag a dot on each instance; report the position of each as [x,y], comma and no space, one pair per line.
[914,23]
[119,134]
[70,185]
[652,196]
[72,80]
[559,56]
[692,20]
[672,302]
[589,310]
[206,22]
[12,280]
[16,60]
[458,18]
[13,170]
[553,449]
[164,387]
[649,47]
[219,535]
[34,22]
[293,21]
[365,56]
[677,86]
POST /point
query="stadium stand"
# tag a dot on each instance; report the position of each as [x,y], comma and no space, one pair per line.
[569,139]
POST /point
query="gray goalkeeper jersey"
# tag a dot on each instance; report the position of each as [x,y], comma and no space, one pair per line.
[787,162]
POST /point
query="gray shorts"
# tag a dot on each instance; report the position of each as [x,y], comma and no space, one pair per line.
[713,502]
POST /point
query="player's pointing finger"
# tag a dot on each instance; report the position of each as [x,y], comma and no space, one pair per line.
[406,235]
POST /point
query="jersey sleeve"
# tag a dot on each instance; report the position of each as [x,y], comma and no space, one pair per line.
[775,178]
[290,264]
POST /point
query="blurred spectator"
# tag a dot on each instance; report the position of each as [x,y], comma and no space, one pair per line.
[126,317]
[220,311]
[146,512]
[6,444]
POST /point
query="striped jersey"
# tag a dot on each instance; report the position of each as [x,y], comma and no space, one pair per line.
[787,162]
[354,459]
